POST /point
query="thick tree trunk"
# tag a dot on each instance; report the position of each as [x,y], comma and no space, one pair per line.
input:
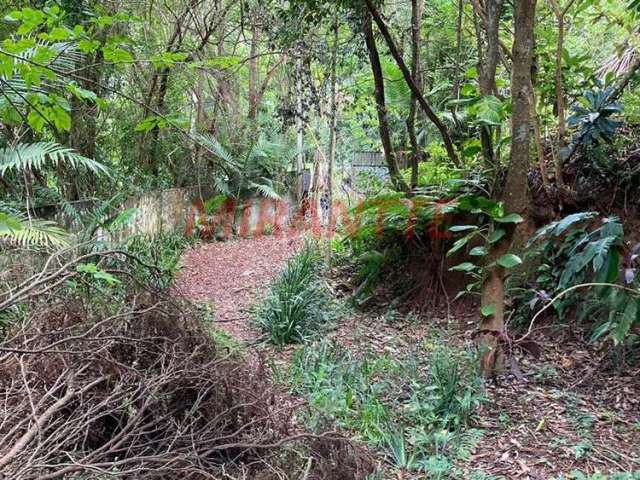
[515,193]
[381,106]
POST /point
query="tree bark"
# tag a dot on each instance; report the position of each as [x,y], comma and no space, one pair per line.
[333,131]
[393,49]
[560,14]
[417,7]
[515,193]
[253,72]
[381,106]
[299,126]
[487,65]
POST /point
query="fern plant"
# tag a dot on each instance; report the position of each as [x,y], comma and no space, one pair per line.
[36,156]
[17,230]
[257,170]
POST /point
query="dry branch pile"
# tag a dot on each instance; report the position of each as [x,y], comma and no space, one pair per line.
[91,387]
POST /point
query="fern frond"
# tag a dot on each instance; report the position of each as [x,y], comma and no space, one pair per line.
[20,231]
[213,146]
[14,90]
[34,156]
[266,191]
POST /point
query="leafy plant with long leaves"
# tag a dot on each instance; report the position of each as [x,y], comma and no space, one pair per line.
[22,229]
[594,120]
[297,303]
[598,260]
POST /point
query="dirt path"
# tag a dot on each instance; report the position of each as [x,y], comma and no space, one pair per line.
[231,275]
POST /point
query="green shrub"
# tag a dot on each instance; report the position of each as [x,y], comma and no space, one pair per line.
[162,252]
[577,252]
[297,303]
[343,389]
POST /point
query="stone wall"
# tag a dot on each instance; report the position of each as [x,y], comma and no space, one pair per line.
[166,211]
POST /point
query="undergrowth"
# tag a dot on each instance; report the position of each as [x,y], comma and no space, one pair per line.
[162,252]
[418,409]
[297,304]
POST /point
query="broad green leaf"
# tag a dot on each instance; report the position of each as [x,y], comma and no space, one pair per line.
[147,124]
[8,223]
[489,110]
[488,310]
[511,218]
[478,251]
[88,46]
[496,235]
[464,267]
[116,54]
[509,260]
[462,228]
[627,319]
[36,120]
[461,242]
[61,119]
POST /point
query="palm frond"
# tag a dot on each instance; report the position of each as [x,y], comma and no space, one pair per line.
[20,231]
[34,156]
[265,190]
[213,146]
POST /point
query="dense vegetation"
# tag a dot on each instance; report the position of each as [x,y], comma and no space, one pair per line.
[507,192]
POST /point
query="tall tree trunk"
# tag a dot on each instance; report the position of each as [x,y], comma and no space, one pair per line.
[381,105]
[561,145]
[333,130]
[299,125]
[417,7]
[446,138]
[515,193]
[253,72]
[487,65]
[456,72]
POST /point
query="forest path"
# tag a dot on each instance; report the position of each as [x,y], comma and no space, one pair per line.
[232,275]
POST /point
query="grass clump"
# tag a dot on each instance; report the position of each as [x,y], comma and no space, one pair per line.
[297,303]
[420,412]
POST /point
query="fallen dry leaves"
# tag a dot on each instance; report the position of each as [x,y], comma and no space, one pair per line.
[230,276]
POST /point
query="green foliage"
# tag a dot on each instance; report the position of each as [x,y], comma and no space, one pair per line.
[297,303]
[97,274]
[162,253]
[583,248]
[35,156]
[17,229]
[417,408]
[436,176]
[213,204]
[578,475]
[592,118]
[492,227]
[259,169]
